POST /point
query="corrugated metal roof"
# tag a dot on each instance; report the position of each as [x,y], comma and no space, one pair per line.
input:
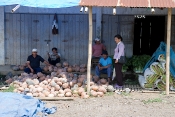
[129,3]
[98,3]
[134,3]
[163,3]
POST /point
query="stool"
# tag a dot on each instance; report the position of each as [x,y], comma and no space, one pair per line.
[94,62]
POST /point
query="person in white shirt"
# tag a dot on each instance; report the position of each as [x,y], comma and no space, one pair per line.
[54,57]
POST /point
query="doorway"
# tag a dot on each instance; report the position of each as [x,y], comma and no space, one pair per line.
[148,33]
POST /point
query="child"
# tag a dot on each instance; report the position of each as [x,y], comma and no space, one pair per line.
[54,57]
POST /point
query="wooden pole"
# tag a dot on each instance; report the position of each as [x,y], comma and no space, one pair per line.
[168,50]
[89,51]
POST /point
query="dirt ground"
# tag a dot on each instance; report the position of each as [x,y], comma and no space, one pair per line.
[118,105]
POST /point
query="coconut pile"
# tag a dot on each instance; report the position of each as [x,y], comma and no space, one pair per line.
[62,82]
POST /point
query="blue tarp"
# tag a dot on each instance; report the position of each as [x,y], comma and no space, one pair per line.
[162,50]
[19,105]
[42,3]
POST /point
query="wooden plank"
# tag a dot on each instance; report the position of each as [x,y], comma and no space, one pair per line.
[62,26]
[55,98]
[14,40]
[58,37]
[168,50]
[39,27]
[89,50]
[34,31]
[7,37]
[66,37]
[18,40]
[28,33]
[81,37]
[23,35]
[105,31]
[53,39]
[114,31]
[155,92]
[71,40]
[78,39]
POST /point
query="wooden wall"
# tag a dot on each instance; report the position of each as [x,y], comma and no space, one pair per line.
[23,32]
[115,24]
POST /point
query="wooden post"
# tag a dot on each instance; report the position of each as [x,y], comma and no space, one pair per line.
[89,51]
[168,50]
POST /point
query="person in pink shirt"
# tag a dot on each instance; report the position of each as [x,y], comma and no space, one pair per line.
[97,49]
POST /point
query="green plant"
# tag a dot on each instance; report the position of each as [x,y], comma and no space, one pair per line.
[10,89]
[152,100]
[109,93]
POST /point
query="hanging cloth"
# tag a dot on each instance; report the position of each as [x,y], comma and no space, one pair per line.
[55,25]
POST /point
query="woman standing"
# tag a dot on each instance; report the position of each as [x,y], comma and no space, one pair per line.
[118,52]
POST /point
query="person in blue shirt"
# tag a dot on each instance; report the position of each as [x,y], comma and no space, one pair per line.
[104,66]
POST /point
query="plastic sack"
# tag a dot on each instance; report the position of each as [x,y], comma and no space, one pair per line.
[148,72]
[162,50]
[142,81]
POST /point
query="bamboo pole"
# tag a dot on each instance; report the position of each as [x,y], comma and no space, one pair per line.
[89,50]
[168,50]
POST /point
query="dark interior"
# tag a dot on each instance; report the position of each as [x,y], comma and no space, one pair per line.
[148,33]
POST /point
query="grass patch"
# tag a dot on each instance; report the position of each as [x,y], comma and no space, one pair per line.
[109,93]
[125,94]
[10,89]
[152,100]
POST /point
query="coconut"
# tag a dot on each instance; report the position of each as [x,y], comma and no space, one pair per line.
[29,94]
[52,83]
[61,91]
[77,69]
[110,88]
[57,87]
[22,67]
[94,87]
[94,94]
[65,64]
[103,81]
[65,85]
[51,95]
[82,70]
[60,95]
[69,69]
[67,90]
[50,68]
[59,83]
[95,79]
[35,94]
[68,94]
[58,64]
[102,89]
[45,68]
[80,90]
[100,94]
[21,89]
[79,84]
[39,74]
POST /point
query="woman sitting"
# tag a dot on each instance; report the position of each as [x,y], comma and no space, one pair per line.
[97,49]
[54,57]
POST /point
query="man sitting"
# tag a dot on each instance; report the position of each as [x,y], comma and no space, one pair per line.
[33,62]
[104,66]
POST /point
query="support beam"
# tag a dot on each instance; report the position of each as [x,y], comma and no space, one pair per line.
[89,50]
[2,38]
[168,50]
